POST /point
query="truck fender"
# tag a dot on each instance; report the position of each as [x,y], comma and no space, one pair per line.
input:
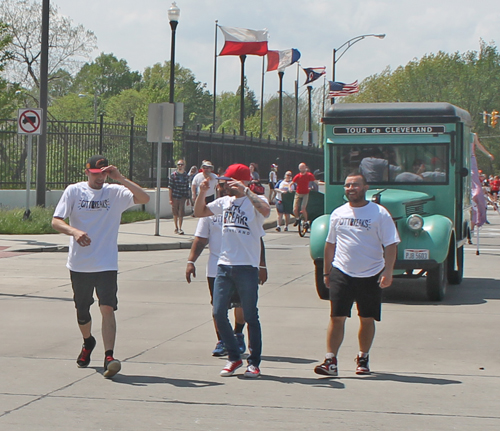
[319,232]
[435,237]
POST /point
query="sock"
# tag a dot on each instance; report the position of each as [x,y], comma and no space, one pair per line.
[238,328]
[108,353]
[363,355]
[330,355]
[89,342]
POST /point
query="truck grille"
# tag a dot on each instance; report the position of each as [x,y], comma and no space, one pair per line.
[415,209]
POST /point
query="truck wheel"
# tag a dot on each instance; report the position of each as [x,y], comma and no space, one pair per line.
[456,276]
[436,282]
[323,291]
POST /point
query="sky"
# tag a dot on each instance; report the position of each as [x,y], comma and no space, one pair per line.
[139,32]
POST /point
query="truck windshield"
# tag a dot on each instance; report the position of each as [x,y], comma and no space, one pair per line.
[391,163]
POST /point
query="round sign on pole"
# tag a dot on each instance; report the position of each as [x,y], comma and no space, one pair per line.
[29,122]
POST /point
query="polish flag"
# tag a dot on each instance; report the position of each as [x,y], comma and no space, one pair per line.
[242,41]
[279,60]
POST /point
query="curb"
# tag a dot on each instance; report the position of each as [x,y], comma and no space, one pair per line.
[127,247]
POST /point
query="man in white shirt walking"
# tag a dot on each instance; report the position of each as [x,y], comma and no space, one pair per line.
[94,209]
[243,214]
[360,253]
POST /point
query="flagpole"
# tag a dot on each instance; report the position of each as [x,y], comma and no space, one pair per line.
[297,105]
[215,77]
[262,99]
[323,113]
[280,113]
[242,95]
[309,91]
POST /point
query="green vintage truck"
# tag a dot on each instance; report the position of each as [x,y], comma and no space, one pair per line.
[416,159]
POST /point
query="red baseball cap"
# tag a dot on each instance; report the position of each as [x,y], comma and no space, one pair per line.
[237,172]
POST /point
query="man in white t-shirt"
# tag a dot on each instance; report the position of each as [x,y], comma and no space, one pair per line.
[243,214]
[94,209]
[209,231]
[206,172]
[360,253]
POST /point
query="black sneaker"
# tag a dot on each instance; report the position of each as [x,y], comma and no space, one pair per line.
[362,367]
[83,359]
[111,366]
[296,223]
[327,368]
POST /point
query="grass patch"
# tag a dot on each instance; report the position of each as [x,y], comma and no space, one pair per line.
[39,222]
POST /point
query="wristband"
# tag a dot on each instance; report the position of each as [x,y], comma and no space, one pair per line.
[246,191]
[324,275]
[262,267]
[191,262]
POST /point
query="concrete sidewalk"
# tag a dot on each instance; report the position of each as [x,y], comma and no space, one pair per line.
[139,236]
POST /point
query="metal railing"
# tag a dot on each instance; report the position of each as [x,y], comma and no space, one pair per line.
[70,143]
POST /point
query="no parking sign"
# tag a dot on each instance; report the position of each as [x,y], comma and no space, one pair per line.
[29,122]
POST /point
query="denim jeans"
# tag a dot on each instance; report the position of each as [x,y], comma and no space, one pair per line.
[245,279]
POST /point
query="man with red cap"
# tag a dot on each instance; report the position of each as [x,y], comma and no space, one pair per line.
[94,209]
[243,213]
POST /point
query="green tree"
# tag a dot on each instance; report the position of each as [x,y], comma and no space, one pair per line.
[192,93]
[105,77]
[127,104]
[72,108]
[7,92]
[228,110]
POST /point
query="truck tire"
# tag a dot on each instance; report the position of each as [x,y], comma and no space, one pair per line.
[456,276]
[321,289]
[436,282]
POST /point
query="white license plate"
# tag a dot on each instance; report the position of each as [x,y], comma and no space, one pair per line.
[411,254]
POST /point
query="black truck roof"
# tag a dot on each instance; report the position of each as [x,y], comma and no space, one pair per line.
[395,113]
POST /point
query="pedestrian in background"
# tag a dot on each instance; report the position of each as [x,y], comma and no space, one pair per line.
[179,192]
[273,179]
[94,210]
[283,186]
[206,172]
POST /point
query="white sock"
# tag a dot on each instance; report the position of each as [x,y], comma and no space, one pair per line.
[329,356]
[363,355]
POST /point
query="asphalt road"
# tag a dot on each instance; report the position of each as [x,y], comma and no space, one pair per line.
[435,365]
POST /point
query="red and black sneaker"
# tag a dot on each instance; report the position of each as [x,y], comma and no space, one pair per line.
[111,366]
[83,359]
[362,365]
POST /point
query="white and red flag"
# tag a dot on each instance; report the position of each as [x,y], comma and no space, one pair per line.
[242,41]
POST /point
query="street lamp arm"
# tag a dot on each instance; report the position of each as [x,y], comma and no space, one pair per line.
[354,40]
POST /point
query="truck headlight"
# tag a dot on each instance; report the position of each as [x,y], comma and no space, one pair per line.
[415,222]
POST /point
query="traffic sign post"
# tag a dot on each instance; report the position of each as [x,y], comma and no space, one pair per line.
[28,123]
[160,130]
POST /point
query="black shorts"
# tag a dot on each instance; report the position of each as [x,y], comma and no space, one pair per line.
[105,284]
[271,185]
[234,301]
[344,290]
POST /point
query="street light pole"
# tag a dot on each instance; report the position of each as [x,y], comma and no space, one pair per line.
[173,15]
[347,45]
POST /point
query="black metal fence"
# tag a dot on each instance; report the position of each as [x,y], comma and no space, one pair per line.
[69,144]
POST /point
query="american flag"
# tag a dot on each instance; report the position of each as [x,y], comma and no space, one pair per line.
[340,89]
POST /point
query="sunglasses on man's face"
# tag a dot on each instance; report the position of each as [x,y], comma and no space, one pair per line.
[180,164]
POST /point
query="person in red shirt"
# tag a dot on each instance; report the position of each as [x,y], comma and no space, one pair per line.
[495,187]
[301,180]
